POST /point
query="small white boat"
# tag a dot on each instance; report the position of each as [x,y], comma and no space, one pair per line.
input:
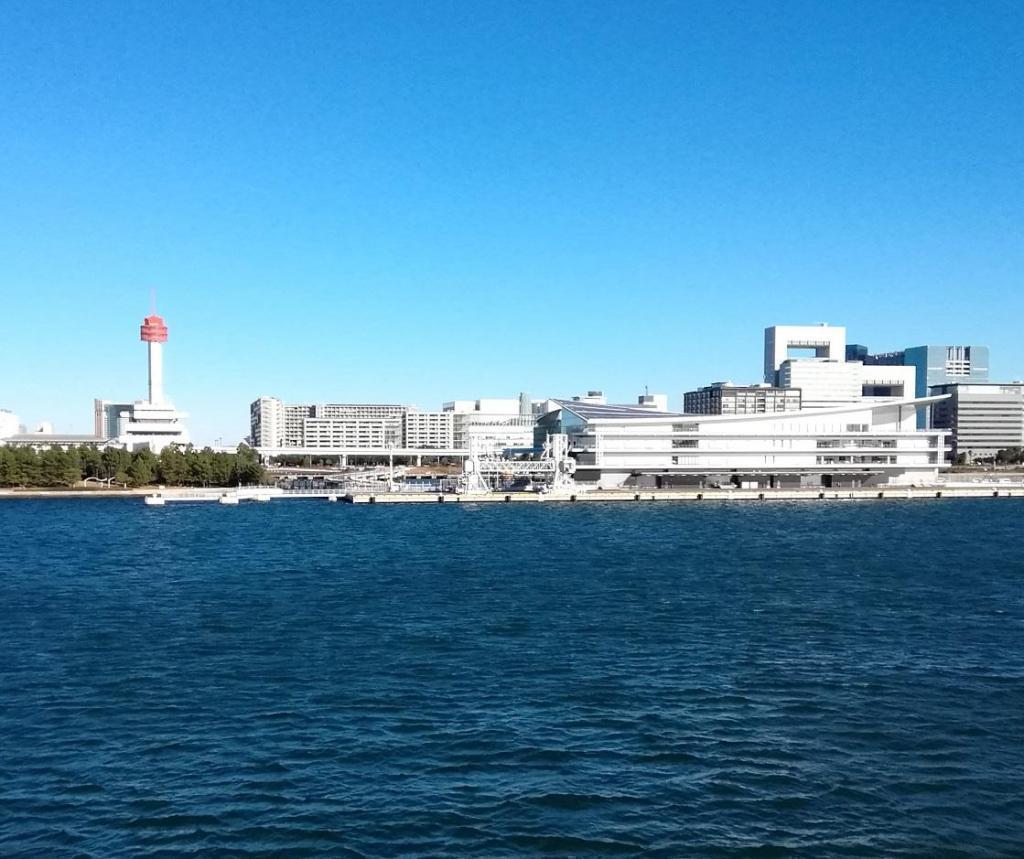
[227,499]
[155,500]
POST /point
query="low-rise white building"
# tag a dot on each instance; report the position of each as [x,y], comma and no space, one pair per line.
[862,444]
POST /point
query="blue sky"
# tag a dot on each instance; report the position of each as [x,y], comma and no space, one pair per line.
[414,202]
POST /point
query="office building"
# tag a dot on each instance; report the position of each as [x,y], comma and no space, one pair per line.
[982,418]
[933,366]
[825,343]
[725,398]
[813,358]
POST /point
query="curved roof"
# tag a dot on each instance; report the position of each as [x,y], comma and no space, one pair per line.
[592,413]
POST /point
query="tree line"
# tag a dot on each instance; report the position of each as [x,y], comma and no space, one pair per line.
[175,466]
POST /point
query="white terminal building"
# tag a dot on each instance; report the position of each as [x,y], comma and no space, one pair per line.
[818,421]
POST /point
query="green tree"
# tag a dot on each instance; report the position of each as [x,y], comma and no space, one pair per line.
[173,466]
[115,462]
[247,468]
[90,461]
[29,466]
[10,467]
[143,466]
[200,466]
[57,468]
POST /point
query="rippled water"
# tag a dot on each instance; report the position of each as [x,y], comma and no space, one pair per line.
[816,679]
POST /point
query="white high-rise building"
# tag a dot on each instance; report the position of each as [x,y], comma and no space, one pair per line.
[267,422]
[825,378]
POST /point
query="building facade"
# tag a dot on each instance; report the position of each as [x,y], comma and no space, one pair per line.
[816,359]
[724,398]
[864,444]
[933,365]
[492,425]
[429,430]
[364,426]
[825,343]
[982,419]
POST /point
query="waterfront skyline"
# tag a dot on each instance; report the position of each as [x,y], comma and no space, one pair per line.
[420,204]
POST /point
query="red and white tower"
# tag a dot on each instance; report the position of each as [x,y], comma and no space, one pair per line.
[154,332]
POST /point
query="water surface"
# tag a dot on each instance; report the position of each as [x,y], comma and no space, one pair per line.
[813,679]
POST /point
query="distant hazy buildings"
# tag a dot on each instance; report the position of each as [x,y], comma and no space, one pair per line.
[9,424]
[491,425]
[983,418]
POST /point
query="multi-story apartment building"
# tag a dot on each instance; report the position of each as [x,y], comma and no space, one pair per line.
[725,398]
[273,424]
[492,425]
[982,418]
[429,430]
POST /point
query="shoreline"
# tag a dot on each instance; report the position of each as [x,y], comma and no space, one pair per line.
[907,493]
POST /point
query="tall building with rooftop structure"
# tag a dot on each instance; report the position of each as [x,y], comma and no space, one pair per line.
[815,359]
[152,423]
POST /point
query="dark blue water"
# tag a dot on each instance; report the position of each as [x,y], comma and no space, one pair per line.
[301,679]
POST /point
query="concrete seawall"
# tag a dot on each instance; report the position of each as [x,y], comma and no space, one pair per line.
[649,495]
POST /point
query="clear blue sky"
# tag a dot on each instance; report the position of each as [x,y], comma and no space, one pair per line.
[421,201]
